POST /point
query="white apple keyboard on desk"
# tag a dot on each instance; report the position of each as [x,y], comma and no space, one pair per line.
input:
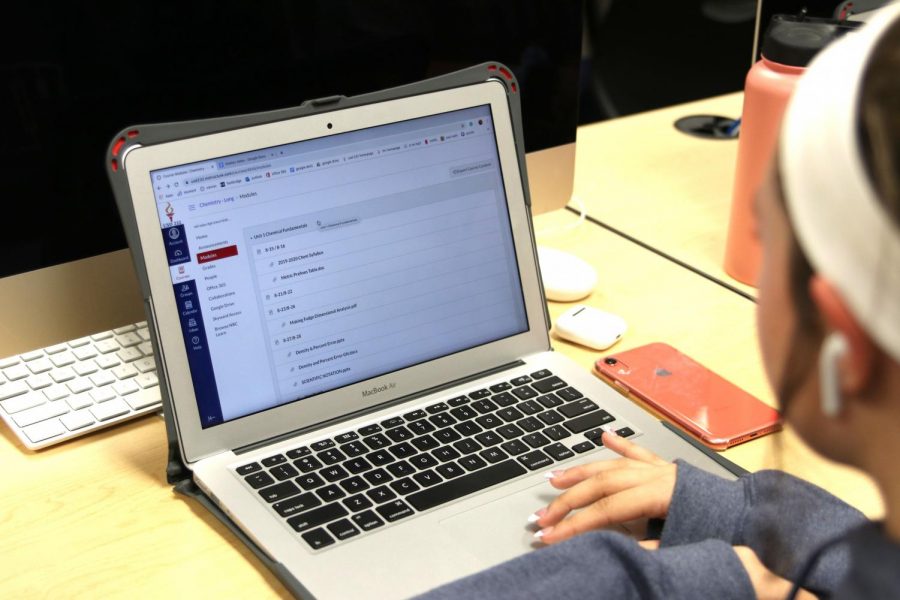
[53,394]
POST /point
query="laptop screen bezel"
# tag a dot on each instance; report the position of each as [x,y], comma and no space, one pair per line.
[197,442]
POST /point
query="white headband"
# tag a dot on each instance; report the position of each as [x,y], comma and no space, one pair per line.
[838,219]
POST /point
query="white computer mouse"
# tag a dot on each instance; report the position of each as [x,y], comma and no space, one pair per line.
[566,277]
[590,327]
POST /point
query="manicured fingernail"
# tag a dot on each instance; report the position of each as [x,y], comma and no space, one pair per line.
[536,515]
[553,474]
[539,535]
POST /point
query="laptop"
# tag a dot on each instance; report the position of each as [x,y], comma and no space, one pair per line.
[352,336]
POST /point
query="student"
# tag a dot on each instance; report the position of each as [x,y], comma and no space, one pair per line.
[829,327]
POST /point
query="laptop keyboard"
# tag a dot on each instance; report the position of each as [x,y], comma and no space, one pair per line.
[358,481]
[53,394]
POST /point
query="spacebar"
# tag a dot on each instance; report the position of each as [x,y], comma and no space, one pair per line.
[467,484]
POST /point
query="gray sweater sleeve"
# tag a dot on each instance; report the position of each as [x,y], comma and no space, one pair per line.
[784,520]
[605,564]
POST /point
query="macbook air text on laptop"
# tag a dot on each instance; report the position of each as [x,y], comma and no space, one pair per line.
[354,341]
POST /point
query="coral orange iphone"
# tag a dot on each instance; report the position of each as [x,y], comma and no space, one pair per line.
[705,404]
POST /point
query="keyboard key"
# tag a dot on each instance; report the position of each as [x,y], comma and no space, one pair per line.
[110,410]
[463,413]
[147,380]
[399,434]
[334,473]
[479,394]
[535,460]
[583,447]
[282,472]
[500,387]
[493,455]
[588,421]
[103,394]
[307,464]
[357,503]
[127,355]
[427,478]
[467,446]
[44,430]
[107,361]
[488,438]
[367,520]
[404,486]
[144,398]
[558,452]
[77,420]
[79,342]
[541,374]
[321,445]
[550,417]
[550,400]
[401,469]
[248,468]
[62,375]
[447,436]
[84,353]
[354,485]
[124,329]
[458,401]
[84,369]
[279,491]
[425,442]
[369,429]
[450,470]
[40,413]
[271,461]
[11,390]
[310,481]
[317,516]
[98,379]
[625,432]
[520,380]
[437,408]
[41,365]
[524,393]
[377,477]
[380,457]
[106,346]
[557,433]
[569,394]
[103,335]
[535,440]
[22,401]
[421,427]
[489,421]
[78,401]
[446,453]
[509,414]
[465,485]
[414,415]
[128,339]
[330,493]
[354,449]
[530,424]
[39,382]
[357,465]
[123,372]
[470,428]
[509,432]
[504,399]
[484,406]
[346,437]
[579,407]
[9,361]
[395,510]
[471,462]
[343,529]
[259,480]
[423,461]
[16,372]
[594,435]
[377,441]
[392,422]
[549,384]
[381,494]
[63,359]
[442,420]
[298,452]
[331,456]
[514,447]
[317,539]
[530,407]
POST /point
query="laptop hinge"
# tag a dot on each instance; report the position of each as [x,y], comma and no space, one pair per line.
[378,407]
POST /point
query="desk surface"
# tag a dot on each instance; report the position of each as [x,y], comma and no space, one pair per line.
[670,190]
[98,517]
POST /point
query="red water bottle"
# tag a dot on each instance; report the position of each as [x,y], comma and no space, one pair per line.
[788,46]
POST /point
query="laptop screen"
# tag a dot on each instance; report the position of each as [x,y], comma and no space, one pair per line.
[301,268]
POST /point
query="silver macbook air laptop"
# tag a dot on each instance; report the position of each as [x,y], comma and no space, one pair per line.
[353,338]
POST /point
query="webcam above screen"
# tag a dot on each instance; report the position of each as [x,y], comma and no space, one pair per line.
[70,78]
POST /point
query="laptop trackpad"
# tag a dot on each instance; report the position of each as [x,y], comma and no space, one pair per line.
[498,531]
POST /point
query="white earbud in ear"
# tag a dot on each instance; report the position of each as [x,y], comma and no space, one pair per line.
[833,349]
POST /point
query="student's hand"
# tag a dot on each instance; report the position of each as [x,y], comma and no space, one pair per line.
[638,485]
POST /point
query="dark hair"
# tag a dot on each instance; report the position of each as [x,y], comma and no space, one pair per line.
[879,135]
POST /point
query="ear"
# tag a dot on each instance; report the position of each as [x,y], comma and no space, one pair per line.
[858,364]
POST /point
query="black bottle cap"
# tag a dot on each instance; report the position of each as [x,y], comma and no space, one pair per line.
[794,40]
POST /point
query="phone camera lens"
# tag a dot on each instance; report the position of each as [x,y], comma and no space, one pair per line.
[329,126]
[610,361]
